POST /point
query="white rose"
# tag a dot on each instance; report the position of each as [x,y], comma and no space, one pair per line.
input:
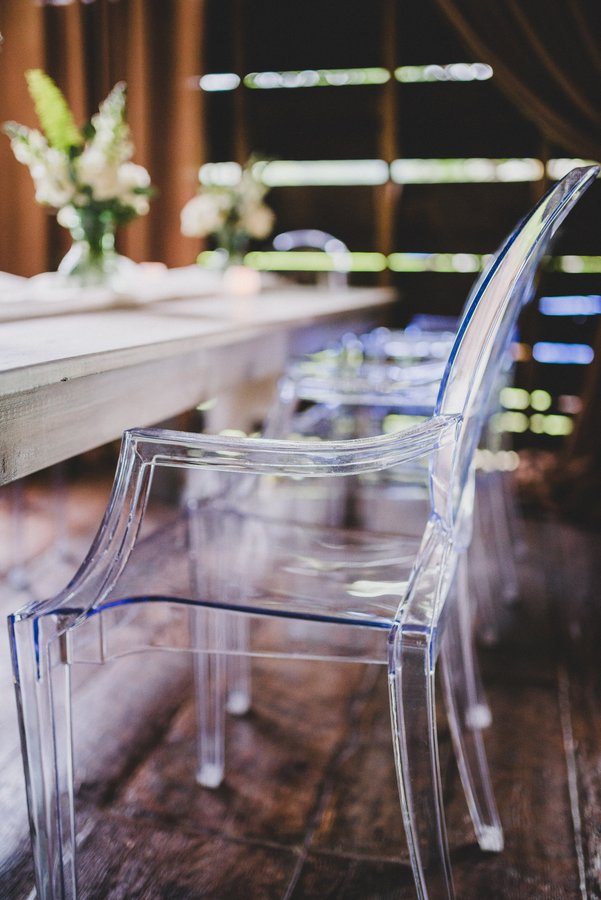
[258,221]
[94,170]
[203,215]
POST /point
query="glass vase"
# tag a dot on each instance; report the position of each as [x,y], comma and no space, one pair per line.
[232,244]
[93,261]
[237,278]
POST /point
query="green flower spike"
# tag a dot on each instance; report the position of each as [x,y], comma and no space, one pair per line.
[53,111]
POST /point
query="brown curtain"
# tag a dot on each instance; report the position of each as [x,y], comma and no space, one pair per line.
[546,57]
[153,45]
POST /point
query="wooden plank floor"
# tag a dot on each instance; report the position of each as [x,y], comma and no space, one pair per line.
[309,807]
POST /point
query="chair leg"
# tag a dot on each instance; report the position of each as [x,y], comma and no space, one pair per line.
[208,636]
[478,714]
[209,680]
[411,682]
[238,666]
[43,688]
[458,665]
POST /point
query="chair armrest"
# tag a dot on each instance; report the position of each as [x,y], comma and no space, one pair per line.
[156,447]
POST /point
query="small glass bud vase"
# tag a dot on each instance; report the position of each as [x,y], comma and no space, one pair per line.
[232,245]
[92,261]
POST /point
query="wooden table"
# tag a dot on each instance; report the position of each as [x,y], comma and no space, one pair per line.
[73,382]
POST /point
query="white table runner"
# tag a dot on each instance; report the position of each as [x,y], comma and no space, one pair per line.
[49,294]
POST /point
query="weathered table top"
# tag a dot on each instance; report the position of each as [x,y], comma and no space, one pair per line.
[73,382]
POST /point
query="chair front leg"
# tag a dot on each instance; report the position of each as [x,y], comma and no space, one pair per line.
[208,633]
[43,689]
[415,740]
[238,665]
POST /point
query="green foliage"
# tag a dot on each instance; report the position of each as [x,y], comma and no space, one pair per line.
[53,111]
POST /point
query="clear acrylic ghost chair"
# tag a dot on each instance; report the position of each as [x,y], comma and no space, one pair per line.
[360,596]
[314,239]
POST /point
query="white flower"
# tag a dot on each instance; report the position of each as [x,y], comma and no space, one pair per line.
[131,179]
[257,220]
[138,202]
[67,217]
[52,178]
[132,176]
[115,147]
[37,141]
[100,174]
[204,214]
[251,191]
[112,134]
[95,171]
[28,144]
[22,151]
[51,194]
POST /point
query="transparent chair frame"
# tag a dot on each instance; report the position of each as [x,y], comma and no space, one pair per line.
[45,635]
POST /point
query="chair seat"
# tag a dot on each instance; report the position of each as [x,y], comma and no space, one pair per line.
[276,567]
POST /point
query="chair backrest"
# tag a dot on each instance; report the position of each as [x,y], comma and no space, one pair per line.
[314,239]
[485,331]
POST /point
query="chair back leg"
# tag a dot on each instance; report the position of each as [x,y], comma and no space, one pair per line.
[415,741]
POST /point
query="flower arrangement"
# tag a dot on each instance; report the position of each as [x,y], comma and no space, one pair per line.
[232,214]
[85,174]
